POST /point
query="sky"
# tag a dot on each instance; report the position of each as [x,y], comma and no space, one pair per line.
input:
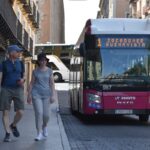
[77,12]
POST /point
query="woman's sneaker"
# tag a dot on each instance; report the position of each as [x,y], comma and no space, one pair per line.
[7,138]
[45,131]
[39,137]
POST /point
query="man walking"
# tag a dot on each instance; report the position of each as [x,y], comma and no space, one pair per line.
[12,81]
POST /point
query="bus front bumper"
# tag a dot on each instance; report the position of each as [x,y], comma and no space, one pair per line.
[122,111]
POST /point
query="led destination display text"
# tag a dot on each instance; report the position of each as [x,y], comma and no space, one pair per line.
[121,42]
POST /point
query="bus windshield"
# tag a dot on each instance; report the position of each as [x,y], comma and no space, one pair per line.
[116,63]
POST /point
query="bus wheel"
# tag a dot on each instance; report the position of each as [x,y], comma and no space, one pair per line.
[143,118]
[57,77]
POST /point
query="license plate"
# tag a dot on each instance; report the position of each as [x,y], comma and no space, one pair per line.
[123,111]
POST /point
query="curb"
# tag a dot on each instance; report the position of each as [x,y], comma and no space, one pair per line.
[64,138]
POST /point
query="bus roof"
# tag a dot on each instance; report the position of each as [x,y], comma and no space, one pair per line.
[118,26]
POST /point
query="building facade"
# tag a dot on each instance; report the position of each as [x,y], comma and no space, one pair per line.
[104,9]
[51,29]
[139,8]
[19,21]
[113,9]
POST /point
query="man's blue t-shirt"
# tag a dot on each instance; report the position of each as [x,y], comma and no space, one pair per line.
[12,72]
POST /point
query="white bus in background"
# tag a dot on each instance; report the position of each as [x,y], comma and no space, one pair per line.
[60,71]
[59,55]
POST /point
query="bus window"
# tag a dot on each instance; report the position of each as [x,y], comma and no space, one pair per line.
[123,62]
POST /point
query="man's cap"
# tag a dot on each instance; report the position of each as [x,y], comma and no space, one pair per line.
[12,48]
[42,56]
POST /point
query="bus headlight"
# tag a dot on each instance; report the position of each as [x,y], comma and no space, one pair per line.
[94,98]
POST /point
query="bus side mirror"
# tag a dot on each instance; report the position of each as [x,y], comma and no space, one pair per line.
[82,49]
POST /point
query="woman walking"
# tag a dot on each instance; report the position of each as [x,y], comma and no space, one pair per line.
[41,93]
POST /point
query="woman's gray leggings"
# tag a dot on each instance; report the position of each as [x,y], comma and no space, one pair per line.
[41,109]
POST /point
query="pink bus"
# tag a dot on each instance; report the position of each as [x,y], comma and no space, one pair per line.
[110,71]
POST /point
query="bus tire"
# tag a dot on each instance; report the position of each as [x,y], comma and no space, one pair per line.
[143,118]
[57,77]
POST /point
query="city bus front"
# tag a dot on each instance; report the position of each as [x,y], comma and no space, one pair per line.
[117,76]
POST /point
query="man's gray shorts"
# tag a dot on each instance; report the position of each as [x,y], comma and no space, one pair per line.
[8,95]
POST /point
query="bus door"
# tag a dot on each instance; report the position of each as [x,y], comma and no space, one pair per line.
[74,81]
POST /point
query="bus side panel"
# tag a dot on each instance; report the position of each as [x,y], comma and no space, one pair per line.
[148,105]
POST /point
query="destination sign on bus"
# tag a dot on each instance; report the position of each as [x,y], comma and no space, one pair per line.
[122,42]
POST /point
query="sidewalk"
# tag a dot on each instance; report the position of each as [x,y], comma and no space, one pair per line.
[57,139]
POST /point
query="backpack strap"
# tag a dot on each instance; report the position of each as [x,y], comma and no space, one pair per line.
[4,68]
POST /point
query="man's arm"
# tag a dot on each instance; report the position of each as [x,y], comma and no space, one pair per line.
[29,97]
[23,77]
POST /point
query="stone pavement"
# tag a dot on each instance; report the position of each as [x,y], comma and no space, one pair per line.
[57,139]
